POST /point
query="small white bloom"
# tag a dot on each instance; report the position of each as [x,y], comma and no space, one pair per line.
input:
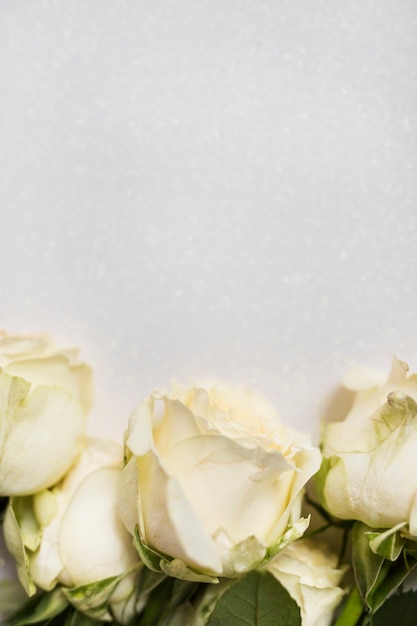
[214,482]
[44,399]
[369,472]
[72,534]
[310,574]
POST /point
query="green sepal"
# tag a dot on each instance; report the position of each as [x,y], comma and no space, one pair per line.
[178,569]
[93,599]
[387,543]
[22,534]
[397,573]
[367,565]
[40,608]
[293,532]
[158,562]
[149,557]
[377,576]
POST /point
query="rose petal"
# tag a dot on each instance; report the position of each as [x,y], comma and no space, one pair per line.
[166,519]
[28,462]
[94,544]
[56,371]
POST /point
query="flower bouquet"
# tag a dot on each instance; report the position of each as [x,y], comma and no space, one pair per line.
[211,511]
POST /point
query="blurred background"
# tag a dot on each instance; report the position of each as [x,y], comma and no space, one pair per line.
[223,189]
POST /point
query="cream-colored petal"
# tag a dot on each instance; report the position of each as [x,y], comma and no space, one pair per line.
[413,517]
[167,520]
[351,436]
[139,438]
[128,495]
[17,347]
[196,544]
[319,604]
[309,574]
[307,462]
[238,558]
[232,484]
[177,423]
[57,371]
[93,541]
[361,377]
[398,374]
[46,563]
[96,453]
[46,437]
[13,393]
[336,491]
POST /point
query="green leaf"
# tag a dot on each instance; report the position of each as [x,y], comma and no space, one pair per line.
[376,576]
[387,543]
[22,534]
[401,607]
[40,609]
[256,600]
[367,565]
[396,575]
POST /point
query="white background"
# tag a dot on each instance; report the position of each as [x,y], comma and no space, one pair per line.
[216,188]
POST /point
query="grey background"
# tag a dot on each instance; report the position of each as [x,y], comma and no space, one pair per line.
[222,188]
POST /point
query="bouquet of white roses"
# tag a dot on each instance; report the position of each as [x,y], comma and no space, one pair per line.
[197,517]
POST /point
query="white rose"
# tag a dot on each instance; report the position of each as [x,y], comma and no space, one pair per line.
[214,482]
[44,399]
[369,472]
[310,575]
[72,534]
